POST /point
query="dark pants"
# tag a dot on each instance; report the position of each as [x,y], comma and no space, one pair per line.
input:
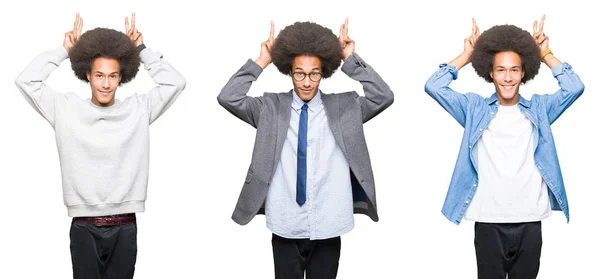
[512,249]
[319,258]
[103,252]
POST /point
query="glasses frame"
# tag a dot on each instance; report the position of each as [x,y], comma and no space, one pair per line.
[304,75]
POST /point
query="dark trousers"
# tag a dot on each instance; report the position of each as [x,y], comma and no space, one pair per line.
[103,252]
[319,258]
[512,249]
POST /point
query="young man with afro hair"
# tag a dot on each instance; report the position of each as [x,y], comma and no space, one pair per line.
[507,177]
[310,168]
[103,143]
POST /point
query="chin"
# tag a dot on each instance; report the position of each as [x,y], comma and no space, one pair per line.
[508,96]
[307,97]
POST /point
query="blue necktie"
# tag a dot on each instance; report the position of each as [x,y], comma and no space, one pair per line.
[301,175]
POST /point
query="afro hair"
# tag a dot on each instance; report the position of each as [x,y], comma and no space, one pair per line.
[307,38]
[505,38]
[106,43]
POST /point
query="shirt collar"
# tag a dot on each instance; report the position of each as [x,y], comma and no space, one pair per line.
[522,101]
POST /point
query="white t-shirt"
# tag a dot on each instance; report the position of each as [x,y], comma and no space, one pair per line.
[510,188]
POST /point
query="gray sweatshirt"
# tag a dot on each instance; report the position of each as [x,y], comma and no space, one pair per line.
[103,151]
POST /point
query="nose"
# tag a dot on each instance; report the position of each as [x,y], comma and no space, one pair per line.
[306,82]
[105,83]
[508,77]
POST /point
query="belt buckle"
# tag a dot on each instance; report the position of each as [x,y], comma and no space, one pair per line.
[106,221]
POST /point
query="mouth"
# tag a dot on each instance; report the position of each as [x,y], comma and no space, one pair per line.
[508,87]
[104,93]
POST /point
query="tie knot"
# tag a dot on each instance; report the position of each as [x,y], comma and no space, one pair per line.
[305,107]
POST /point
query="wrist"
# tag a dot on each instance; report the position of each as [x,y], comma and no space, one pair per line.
[262,62]
[346,55]
[545,52]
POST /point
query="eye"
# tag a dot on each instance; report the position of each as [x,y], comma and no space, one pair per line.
[299,75]
[99,75]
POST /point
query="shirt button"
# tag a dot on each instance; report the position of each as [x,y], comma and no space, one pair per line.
[467,202]
[470,146]
[474,185]
[492,112]
[480,129]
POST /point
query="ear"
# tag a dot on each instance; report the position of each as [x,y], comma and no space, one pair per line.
[87,74]
[492,74]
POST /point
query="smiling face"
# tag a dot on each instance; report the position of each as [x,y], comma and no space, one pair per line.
[507,73]
[308,67]
[104,79]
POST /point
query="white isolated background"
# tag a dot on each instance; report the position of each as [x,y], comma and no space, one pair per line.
[200,153]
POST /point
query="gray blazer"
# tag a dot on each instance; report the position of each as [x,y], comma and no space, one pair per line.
[270,115]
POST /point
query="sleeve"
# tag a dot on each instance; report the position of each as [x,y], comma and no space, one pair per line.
[234,98]
[378,95]
[571,88]
[170,83]
[437,86]
[32,82]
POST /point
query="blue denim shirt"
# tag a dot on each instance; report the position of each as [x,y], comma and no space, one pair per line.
[474,113]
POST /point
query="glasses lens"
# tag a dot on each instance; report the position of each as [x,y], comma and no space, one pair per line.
[299,76]
[315,76]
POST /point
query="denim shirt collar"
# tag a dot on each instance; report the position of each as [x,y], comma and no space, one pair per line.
[522,101]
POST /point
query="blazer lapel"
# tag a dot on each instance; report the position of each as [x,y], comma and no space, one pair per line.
[332,110]
[285,110]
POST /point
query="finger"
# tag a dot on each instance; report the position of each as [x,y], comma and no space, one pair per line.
[126,25]
[133,21]
[272,32]
[542,24]
[80,26]
[346,28]
[535,27]
[76,20]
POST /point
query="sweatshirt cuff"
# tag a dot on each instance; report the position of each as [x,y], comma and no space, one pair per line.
[61,53]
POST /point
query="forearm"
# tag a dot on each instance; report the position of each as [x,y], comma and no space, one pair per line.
[461,60]
[438,88]
[378,95]
[39,69]
[550,60]
[571,88]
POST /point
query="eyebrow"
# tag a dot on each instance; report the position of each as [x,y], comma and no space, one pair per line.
[511,67]
[298,68]
[99,72]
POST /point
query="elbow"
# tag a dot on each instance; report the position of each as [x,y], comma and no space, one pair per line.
[580,89]
[222,99]
[180,84]
[20,81]
[390,98]
[429,88]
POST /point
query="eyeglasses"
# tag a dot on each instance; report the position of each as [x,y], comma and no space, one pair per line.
[300,76]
